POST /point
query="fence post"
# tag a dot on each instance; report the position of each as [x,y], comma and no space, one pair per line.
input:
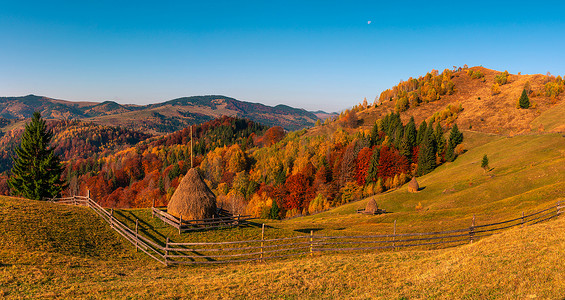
[88,194]
[180,223]
[167,252]
[311,243]
[394,237]
[112,217]
[472,230]
[522,220]
[136,233]
[262,239]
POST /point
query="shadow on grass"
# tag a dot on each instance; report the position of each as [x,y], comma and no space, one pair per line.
[145,227]
[307,230]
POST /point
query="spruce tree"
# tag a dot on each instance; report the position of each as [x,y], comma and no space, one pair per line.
[274,212]
[372,171]
[524,101]
[427,154]
[410,133]
[484,163]
[440,140]
[36,172]
[455,138]
[421,133]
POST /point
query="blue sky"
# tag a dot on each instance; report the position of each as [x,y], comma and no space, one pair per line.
[308,54]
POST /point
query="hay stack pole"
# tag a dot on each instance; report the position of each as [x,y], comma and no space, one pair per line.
[191,159]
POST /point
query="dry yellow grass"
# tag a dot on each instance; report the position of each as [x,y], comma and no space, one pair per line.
[524,263]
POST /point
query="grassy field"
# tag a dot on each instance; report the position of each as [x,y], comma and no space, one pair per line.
[520,263]
[57,251]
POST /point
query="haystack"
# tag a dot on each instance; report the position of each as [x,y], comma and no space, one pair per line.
[413,186]
[371,207]
[193,199]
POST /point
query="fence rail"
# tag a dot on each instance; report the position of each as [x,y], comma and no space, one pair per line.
[171,253]
[201,224]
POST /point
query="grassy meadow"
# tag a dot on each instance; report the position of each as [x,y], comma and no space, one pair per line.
[57,251]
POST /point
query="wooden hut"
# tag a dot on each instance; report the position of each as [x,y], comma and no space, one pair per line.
[193,199]
[413,186]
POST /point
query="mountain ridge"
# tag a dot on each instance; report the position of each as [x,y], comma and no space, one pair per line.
[158,118]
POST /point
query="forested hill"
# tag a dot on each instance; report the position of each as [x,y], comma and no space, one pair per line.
[158,118]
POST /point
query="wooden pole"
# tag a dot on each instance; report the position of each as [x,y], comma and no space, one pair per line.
[167,251]
[88,194]
[191,151]
[180,223]
[472,230]
[311,242]
[262,239]
[136,233]
[394,237]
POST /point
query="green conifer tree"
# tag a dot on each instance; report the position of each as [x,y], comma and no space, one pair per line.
[274,213]
[421,133]
[455,138]
[372,170]
[410,133]
[524,101]
[427,154]
[36,172]
[484,163]
[440,139]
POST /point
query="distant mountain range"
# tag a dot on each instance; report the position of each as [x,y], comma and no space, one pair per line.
[158,118]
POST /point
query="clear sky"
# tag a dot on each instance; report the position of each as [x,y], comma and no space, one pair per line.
[309,54]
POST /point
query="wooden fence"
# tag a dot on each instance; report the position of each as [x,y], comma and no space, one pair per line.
[170,253]
[224,220]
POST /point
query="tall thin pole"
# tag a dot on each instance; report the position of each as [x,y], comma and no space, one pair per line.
[394,236]
[262,239]
[191,151]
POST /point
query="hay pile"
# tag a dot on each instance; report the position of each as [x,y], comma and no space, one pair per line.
[371,207]
[193,199]
[413,186]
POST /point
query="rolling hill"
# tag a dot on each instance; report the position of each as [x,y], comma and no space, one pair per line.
[483,110]
[157,118]
[526,149]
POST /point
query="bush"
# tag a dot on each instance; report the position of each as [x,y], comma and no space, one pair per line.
[501,78]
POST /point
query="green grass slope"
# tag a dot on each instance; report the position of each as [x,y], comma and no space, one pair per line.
[519,263]
[527,174]
[39,226]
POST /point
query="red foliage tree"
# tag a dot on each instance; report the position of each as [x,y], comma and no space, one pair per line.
[272,136]
[4,189]
[299,193]
[391,162]
[363,159]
